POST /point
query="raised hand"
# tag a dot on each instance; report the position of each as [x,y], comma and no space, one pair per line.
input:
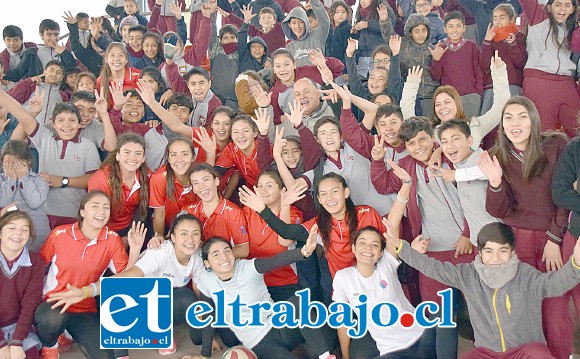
[491,168]
[344,94]
[329,95]
[294,194]
[489,34]
[206,142]
[438,51]
[378,151]
[390,235]
[35,102]
[420,245]
[497,62]
[248,15]
[59,48]
[296,113]
[69,18]
[316,57]
[175,9]
[399,172]
[350,47]
[279,142]
[119,99]
[252,199]
[415,74]
[262,98]
[222,12]
[101,105]
[136,235]
[395,44]
[262,120]
[511,38]
[310,245]
[383,12]
[326,74]
[96,27]
[145,91]
[447,174]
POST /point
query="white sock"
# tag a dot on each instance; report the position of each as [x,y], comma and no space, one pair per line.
[324,356]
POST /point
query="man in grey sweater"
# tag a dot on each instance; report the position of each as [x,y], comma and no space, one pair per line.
[504,295]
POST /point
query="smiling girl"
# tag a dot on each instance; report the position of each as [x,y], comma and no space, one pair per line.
[519,193]
[116,70]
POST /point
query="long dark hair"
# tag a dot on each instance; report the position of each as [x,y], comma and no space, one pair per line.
[90,195]
[182,217]
[169,185]
[570,26]
[372,12]
[156,75]
[534,158]
[324,220]
[106,70]
[116,180]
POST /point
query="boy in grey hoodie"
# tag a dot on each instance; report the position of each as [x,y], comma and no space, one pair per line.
[296,27]
[504,295]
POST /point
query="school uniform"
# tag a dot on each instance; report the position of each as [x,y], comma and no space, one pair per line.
[129,81]
[24,90]
[182,196]
[122,213]
[226,221]
[72,158]
[528,208]
[232,156]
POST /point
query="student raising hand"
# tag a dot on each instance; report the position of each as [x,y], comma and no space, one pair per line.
[117,94]
[294,193]
[378,151]
[262,120]
[296,113]
[252,199]
[491,168]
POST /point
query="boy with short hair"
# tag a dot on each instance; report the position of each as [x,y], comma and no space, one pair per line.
[66,160]
[302,37]
[312,20]
[224,61]
[504,295]
[253,54]
[456,142]
[49,88]
[18,63]
[135,45]
[437,33]
[83,26]
[456,63]
[49,31]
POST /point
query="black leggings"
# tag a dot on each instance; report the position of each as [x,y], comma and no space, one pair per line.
[278,343]
[424,348]
[84,328]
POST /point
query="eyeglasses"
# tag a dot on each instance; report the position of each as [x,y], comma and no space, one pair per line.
[385,61]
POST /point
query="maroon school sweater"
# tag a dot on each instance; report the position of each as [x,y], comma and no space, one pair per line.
[20,294]
[459,67]
[529,205]
[514,55]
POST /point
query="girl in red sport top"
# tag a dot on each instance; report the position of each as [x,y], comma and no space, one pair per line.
[283,282]
[241,153]
[338,220]
[167,197]
[21,283]
[519,192]
[78,254]
[124,176]
[116,70]
[219,217]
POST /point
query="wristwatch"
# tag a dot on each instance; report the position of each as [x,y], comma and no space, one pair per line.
[64,182]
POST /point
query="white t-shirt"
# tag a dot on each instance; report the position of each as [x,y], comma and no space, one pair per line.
[163,263]
[250,286]
[382,286]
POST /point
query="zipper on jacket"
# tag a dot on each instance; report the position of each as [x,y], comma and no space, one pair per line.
[497,322]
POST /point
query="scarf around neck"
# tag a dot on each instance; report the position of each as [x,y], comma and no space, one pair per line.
[502,33]
[496,276]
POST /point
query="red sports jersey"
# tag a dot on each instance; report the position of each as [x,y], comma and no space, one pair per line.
[232,156]
[80,261]
[264,243]
[227,221]
[183,196]
[121,213]
[339,253]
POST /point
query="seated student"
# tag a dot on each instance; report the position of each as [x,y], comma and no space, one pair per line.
[48,89]
[447,104]
[381,78]
[170,187]
[23,189]
[116,70]
[125,177]
[131,8]
[49,50]
[18,63]
[224,61]
[89,245]
[302,37]
[456,145]
[218,216]
[135,44]
[436,33]
[21,282]
[491,284]
[126,116]
[456,63]
[198,82]
[152,51]
[66,160]
[287,73]
[86,81]
[252,53]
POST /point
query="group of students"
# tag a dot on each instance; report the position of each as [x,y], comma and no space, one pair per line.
[293,148]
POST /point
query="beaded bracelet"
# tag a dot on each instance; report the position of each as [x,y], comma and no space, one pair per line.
[401,199]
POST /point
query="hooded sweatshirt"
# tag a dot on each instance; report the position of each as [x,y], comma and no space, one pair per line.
[246,60]
[414,54]
[311,39]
